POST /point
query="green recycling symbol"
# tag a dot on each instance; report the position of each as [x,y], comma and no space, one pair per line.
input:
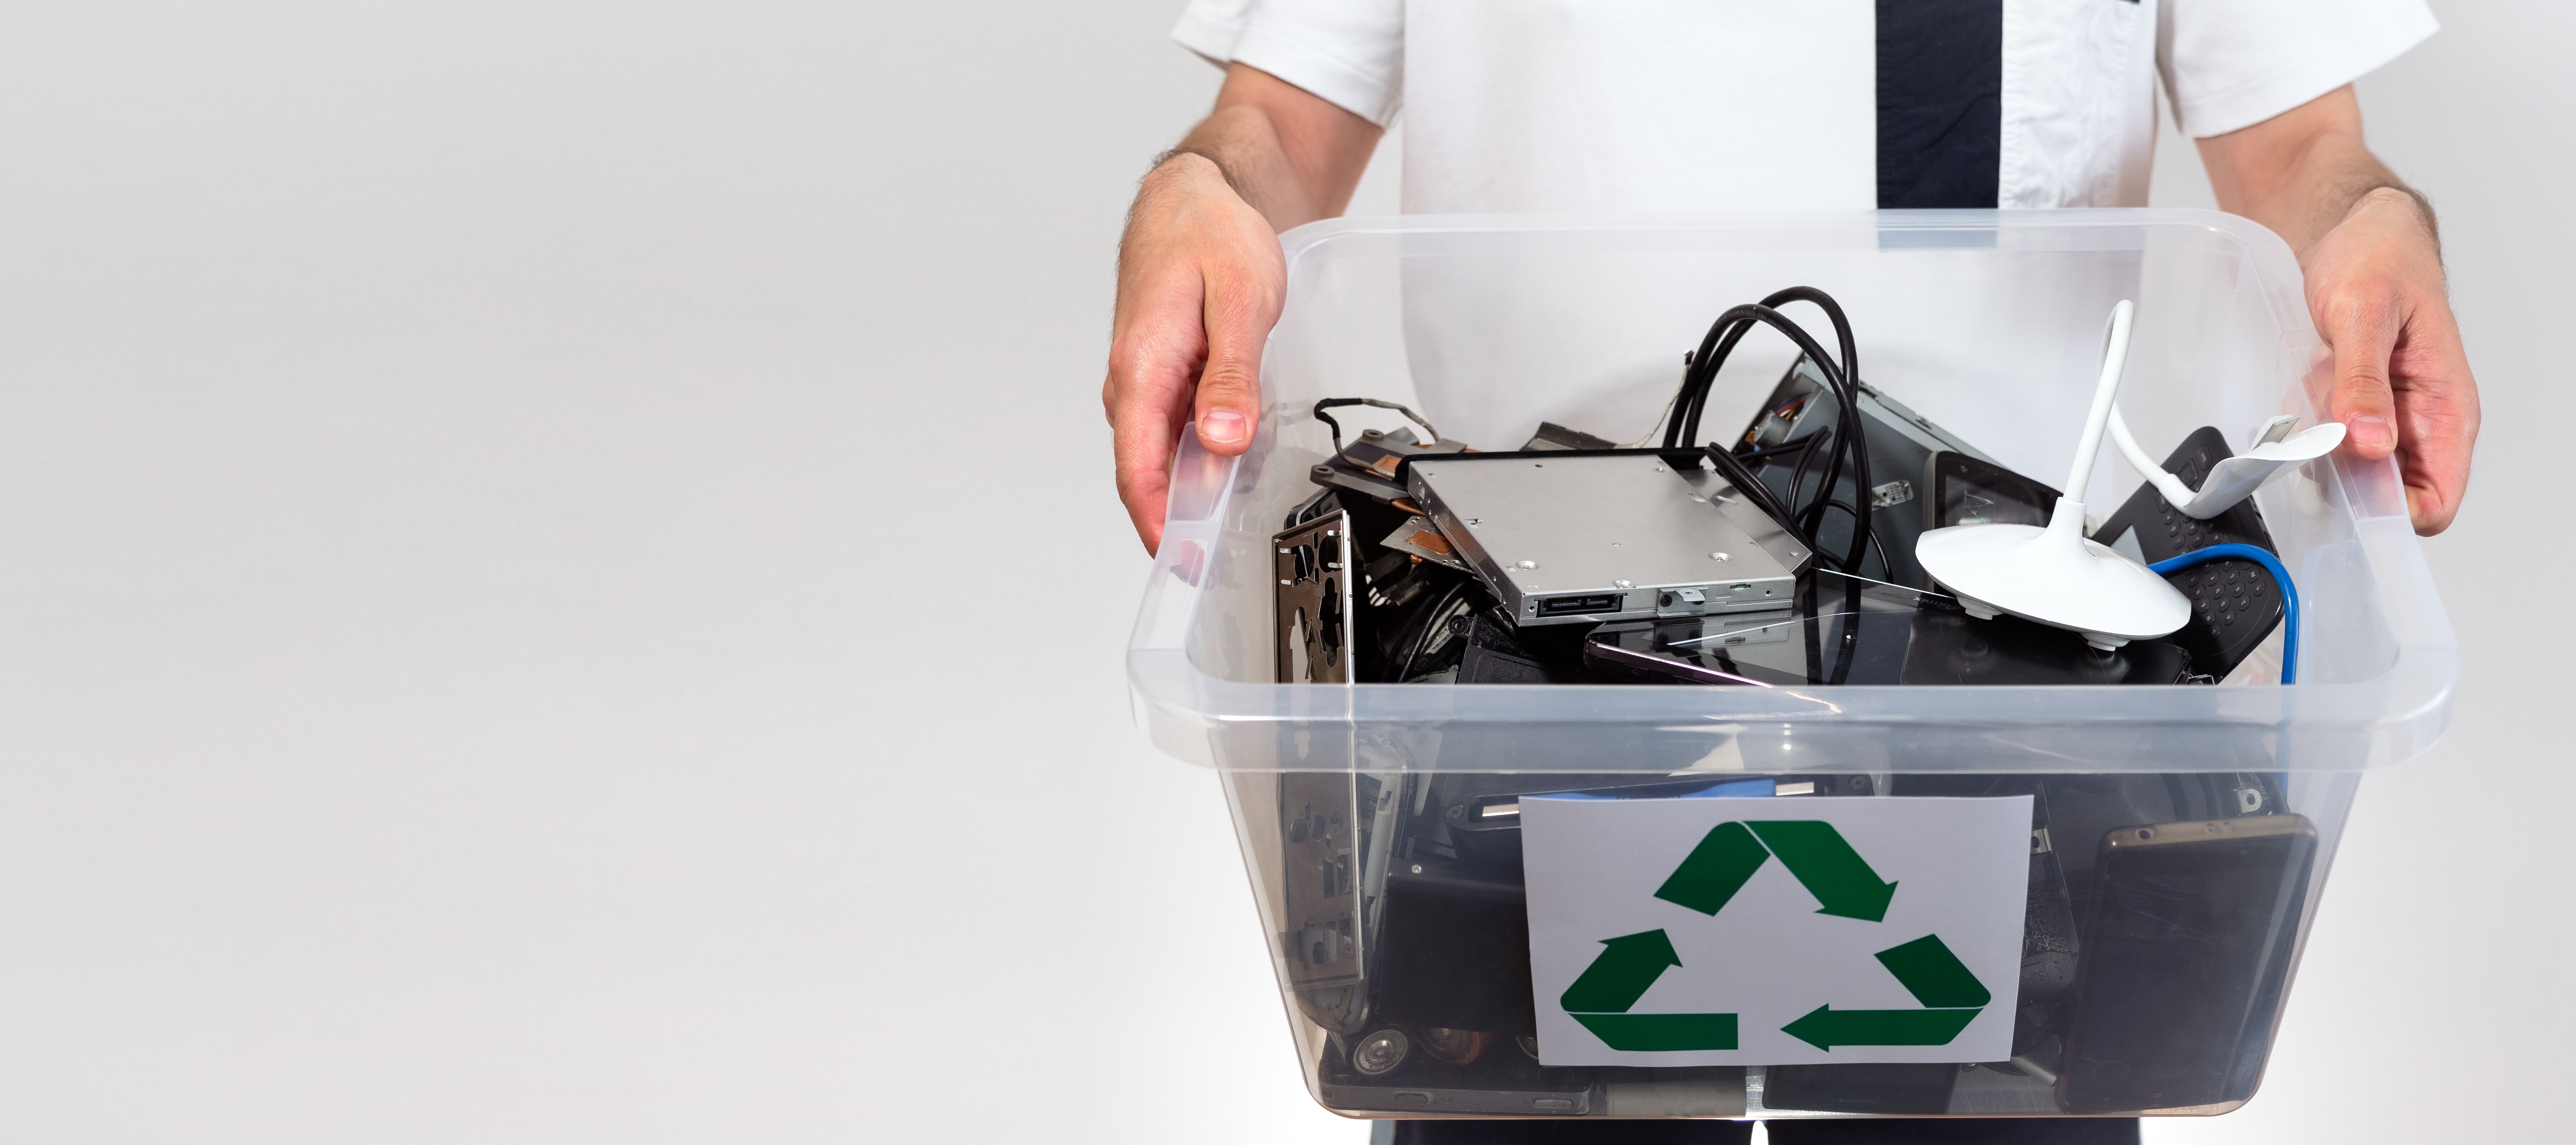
[1843,885]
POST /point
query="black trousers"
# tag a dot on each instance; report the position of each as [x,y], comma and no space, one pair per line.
[1797,1131]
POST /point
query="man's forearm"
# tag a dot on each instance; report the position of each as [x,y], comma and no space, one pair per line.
[2301,173]
[1291,155]
[1245,149]
[2395,373]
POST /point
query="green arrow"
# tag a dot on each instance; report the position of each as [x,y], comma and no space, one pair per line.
[1662,1033]
[1620,974]
[1933,975]
[1825,1027]
[1714,870]
[1828,867]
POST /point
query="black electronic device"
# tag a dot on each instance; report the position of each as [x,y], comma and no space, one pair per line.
[2049,949]
[2186,949]
[1490,656]
[1402,1068]
[1837,629]
[1949,648]
[1456,948]
[1466,644]
[1415,1071]
[2048,917]
[1786,442]
[1693,651]
[1846,630]
[2048,930]
[1553,436]
[2235,603]
[1965,489]
[1474,817]
[1893,1088]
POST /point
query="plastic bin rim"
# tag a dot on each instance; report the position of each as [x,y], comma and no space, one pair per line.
[2287,299]
[2407,705]
[1299,239]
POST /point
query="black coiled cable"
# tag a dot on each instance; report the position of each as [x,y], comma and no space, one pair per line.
[1841,373]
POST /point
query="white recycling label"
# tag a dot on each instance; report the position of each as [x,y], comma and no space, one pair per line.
[1775,931]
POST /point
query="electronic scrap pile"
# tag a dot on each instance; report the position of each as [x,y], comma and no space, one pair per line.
[1786,556]
[1792,555]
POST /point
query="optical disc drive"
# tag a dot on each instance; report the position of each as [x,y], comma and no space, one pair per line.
[1579,538]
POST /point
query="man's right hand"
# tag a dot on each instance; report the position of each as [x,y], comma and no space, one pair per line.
[1201,276]
[1199,282]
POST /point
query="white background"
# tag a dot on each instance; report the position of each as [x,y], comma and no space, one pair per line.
[558,582]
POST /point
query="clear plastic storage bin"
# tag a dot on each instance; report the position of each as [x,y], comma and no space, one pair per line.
[1986,323]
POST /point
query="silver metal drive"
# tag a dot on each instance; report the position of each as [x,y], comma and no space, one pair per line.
[1588,538]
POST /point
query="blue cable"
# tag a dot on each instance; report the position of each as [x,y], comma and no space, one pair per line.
[2280,576]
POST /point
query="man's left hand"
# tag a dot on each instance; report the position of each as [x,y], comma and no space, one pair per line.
[2399,379]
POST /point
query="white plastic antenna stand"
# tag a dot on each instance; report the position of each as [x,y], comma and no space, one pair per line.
[2054,575]
[2236,478]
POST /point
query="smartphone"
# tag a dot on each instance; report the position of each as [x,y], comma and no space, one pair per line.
[2185,952]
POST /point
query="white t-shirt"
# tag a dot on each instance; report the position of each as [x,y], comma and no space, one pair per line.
[1574,105]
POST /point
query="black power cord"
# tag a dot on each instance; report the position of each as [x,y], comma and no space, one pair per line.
[1824,437]
[1840,372]
[1844,375]
[1885,566]
[1741,476]
[1336,427]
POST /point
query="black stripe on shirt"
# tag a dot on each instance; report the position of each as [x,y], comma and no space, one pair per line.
[1940,102]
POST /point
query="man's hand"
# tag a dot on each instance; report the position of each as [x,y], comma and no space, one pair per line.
[1199,282]
[2399,377]
[1200,275]
[2400,381]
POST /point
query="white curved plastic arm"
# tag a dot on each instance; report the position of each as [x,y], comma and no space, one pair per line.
[2176,493]
[2236,478]
[2106,391]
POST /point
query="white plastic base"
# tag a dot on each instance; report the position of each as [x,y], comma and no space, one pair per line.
[2054,576]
